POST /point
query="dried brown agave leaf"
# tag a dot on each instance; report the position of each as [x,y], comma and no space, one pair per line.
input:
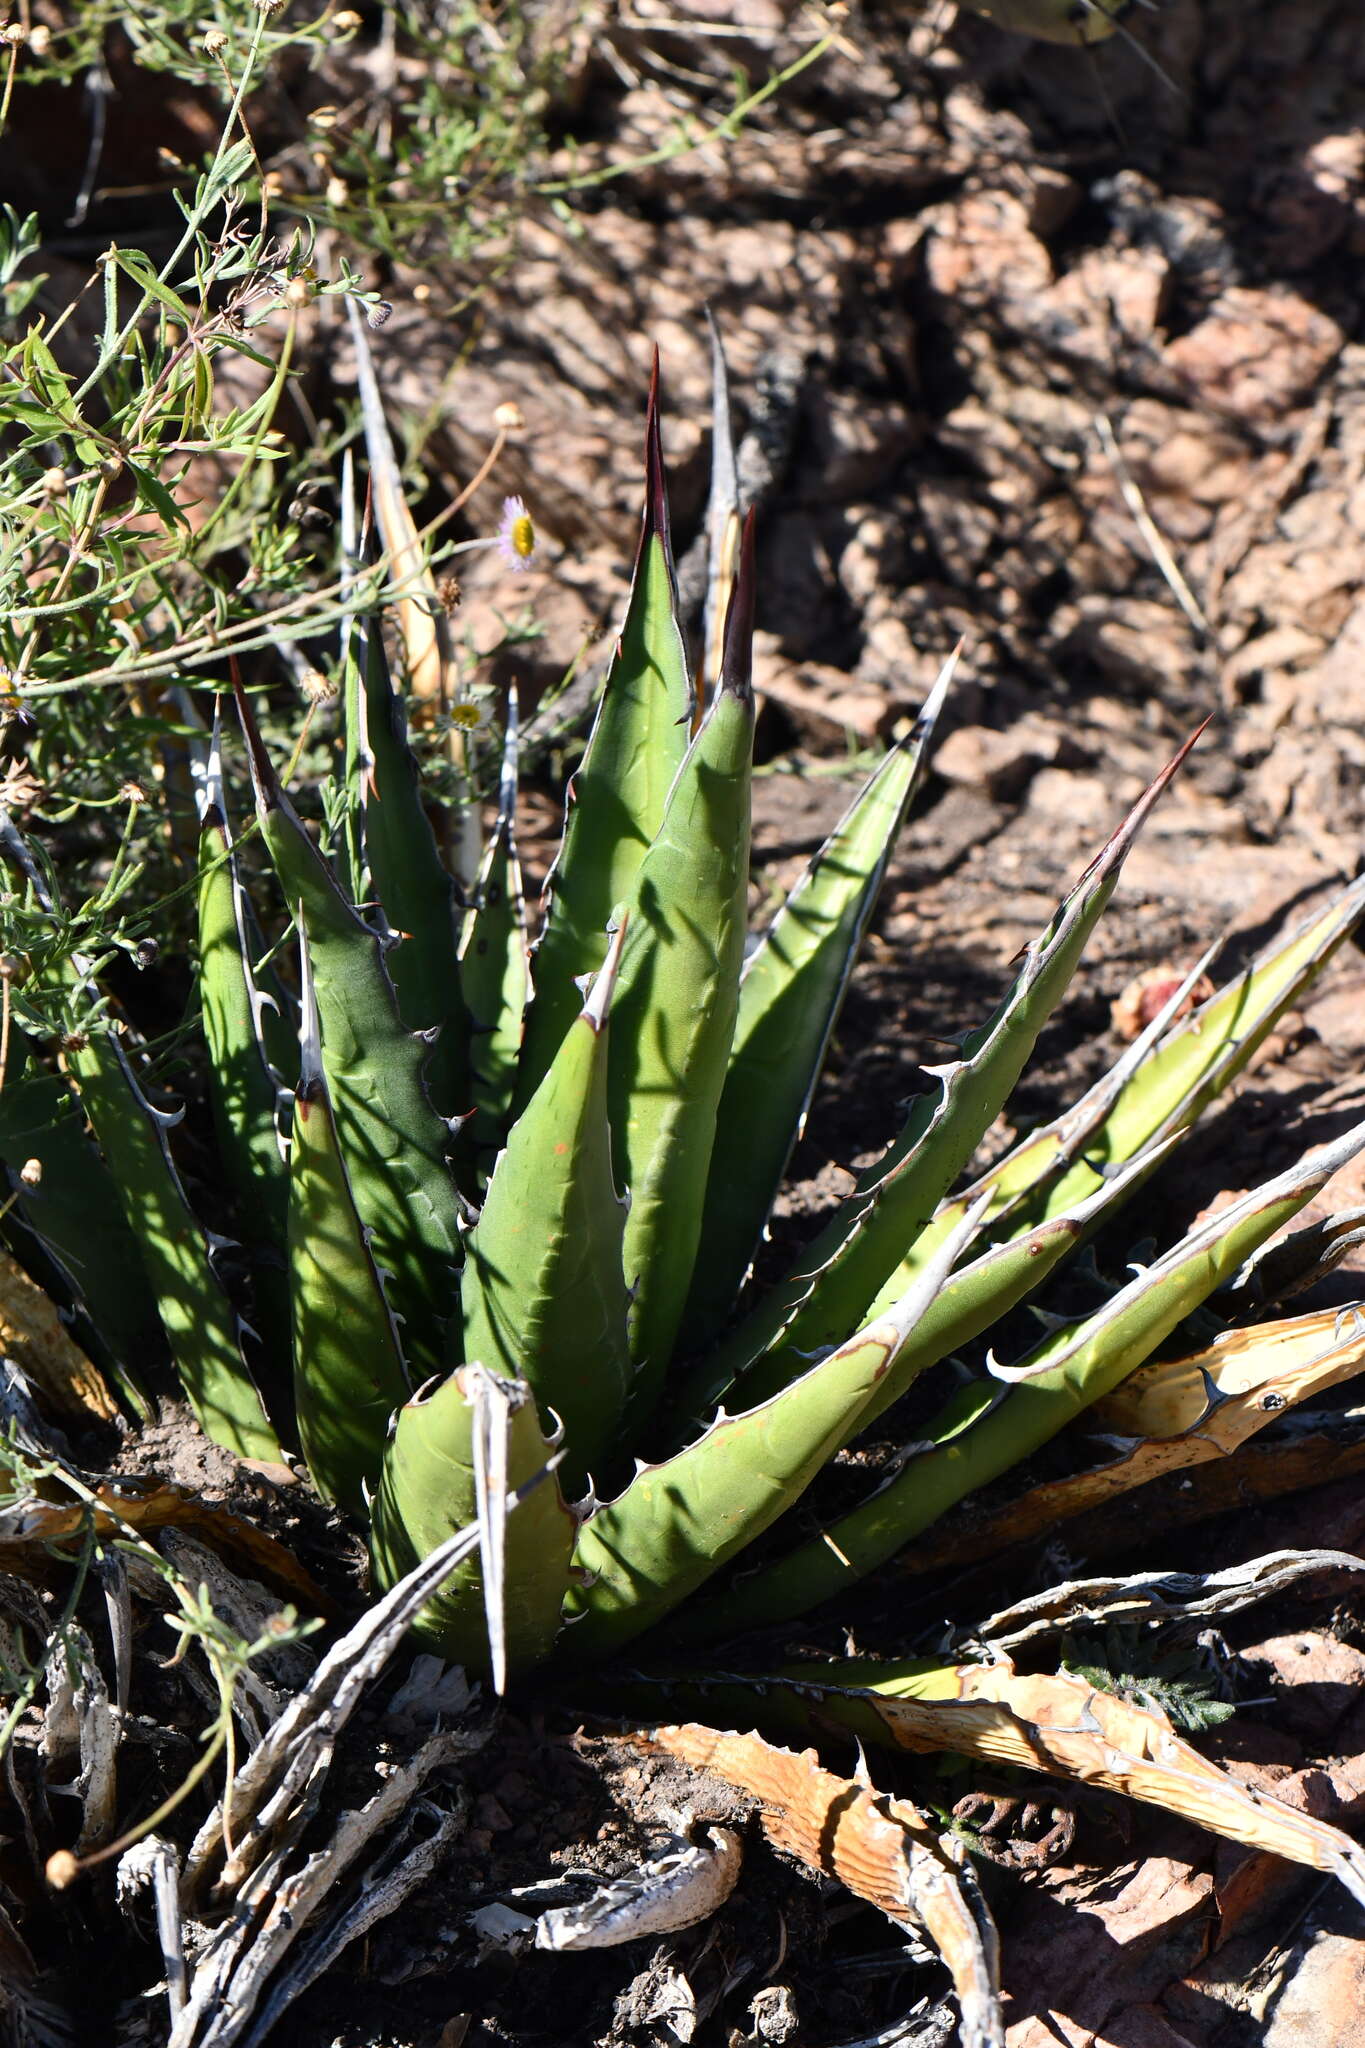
[1065,1727]
[882,1849]
[33,1335]
[29,1527]
[1187,1412]
[1240,1382]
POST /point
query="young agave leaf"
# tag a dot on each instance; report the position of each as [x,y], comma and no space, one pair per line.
[493,960]
[431,1486]
[851,1260]
[422,625]
[975,1296]
[723,522]
[884,1850]
[403,869]
[1158,1089]
[617,796]
[1169,1084]
[678,1522]
[790,996]
[995,1423]
[393,1142]
[177,1253]
[349,1375]
[246,1091]
[677,998]
[543,1295]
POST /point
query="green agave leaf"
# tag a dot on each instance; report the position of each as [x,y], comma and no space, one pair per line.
[849,1262]
[349,1375]
[393,1142]
[979,1294]
[723,520]
[423,630]
[996,1422]
[617,795]
[400,866]
[247,1093]
[69,1230]
[676,1001]
[543,1294]
[791,992]
[678,1522]
[493,960]
[1160,1087]
[457,1452]
[177,1252]
[347,845]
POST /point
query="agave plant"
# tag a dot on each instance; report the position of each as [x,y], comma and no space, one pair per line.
[500,1216]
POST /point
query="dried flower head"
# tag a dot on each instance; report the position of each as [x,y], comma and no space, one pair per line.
[62,1869]
[14,33]
[509,417]
[448,595]
[338,192]
[54,483]
[31,1173]
[318,687]
[20,788]
[214,43]
[298,292]
[347,22]
[133,793]
[516,535]
[269,8]
[40,39]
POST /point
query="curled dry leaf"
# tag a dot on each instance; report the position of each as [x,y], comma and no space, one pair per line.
[1188,1411]
[28,1528]
[34,1336]
[883,1849]
[1178,1601]
[690,1882]
[1064,1726]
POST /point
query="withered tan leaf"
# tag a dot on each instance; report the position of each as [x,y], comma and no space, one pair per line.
[1240,1382]
[1184,1413]
[30,1527]
[34,1336]
[1065,1727]
[883,1849]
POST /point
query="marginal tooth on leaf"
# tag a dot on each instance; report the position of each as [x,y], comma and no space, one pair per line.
[1048,1319]
[603,984]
